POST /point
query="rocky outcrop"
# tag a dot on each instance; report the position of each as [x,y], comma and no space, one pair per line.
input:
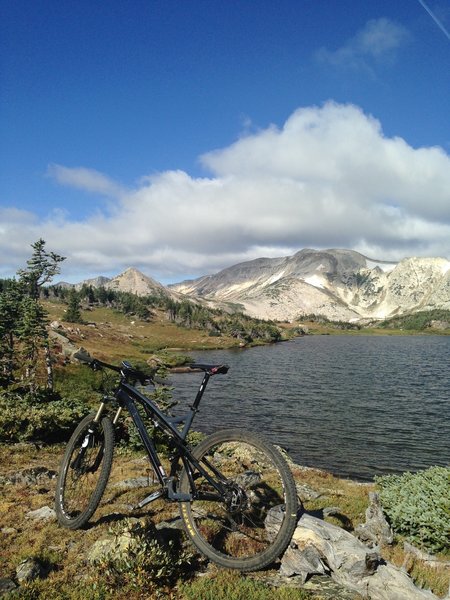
[320,548]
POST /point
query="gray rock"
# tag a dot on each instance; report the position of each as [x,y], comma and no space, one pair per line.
[318,545]
[9,530]
[376,531]
[29,570]
[431,560]
[31,476]
[119,545]
[45,514]
[135,482]
[306,492]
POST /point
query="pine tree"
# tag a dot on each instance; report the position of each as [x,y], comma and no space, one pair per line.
[41,268]
[33,337]
[10,298]
[73,313]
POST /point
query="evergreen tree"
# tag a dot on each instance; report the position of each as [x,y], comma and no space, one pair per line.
[10,298]
[33,337]
[23,320]
[73,313]
[41,268]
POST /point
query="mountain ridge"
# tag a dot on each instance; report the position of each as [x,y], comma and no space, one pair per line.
[336,283]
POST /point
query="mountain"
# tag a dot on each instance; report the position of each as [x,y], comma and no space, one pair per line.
[131,280]
[340,284]
[136,282]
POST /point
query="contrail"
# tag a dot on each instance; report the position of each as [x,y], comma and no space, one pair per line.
[435,19]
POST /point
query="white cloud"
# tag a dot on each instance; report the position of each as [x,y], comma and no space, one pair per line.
[327,178]
[88,180]
[377,41]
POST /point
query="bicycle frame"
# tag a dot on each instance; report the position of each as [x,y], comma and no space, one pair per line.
[127,397]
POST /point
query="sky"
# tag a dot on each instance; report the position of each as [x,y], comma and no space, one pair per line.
[181,137]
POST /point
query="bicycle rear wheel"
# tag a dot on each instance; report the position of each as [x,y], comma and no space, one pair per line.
[232,530]
[84,471]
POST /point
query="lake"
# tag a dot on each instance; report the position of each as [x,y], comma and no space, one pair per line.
[356,406]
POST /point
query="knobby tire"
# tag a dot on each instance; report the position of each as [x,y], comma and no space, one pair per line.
[84,472]
[233,533]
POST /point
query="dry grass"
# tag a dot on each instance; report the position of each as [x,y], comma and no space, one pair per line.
[65,550]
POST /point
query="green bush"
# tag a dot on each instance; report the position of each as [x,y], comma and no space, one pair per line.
[418,506]
[37,418]
[138,558]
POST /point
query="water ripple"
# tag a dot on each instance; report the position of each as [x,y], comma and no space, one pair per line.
[356,406]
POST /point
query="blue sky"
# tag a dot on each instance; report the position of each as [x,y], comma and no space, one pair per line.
[181,137]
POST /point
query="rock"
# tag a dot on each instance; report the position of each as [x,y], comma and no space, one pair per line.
[9,530]
[346,557]
[31,476]
[318,547]
[67,347]
[44,514]
[376,531]
[6,585]
[321,586]
[29,570]
[392,583]
[306,492]
[130,484]
[429,559]
[118,546]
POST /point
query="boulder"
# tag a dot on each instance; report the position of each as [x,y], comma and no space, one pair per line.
[319,547]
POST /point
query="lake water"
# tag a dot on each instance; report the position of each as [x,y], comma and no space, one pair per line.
[356,406]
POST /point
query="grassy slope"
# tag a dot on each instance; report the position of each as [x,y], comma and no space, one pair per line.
[111,335]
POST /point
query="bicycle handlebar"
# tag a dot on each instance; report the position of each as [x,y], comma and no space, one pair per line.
[125,369]
[128,371]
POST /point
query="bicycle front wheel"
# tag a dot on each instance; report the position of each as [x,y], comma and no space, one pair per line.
[232,529]
[84,471]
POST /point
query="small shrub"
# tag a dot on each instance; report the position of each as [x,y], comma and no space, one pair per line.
[26,418]
[418,506]
[142,560]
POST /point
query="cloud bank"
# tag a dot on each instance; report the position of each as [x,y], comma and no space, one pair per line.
[328,177]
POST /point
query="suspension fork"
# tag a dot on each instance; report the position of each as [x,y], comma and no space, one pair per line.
[88,438]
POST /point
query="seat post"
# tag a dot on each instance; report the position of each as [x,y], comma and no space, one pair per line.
[201,390]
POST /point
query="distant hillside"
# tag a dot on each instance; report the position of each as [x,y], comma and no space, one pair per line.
[340,284]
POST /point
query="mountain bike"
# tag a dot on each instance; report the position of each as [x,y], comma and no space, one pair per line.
[226,486]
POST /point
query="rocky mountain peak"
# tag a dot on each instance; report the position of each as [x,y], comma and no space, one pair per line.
[337,283]
[132,280]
